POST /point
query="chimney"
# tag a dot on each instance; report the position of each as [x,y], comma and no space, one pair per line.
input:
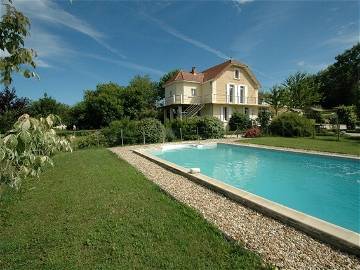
[193,70]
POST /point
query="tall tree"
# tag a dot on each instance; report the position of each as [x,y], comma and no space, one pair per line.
[48,105]
[11,107]
[14,28]
[139,98]
[302,90]
[103,105]
[277,98]
[340,82]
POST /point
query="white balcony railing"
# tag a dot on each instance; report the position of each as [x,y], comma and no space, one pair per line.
[213,98]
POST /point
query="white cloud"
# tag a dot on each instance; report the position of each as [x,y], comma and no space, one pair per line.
[347,40]
[238,3]
[123,63]
[311,67]
[301,63]
[43,64]
[172,31]
[50,12]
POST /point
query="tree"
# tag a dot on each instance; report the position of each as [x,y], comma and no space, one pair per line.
[339,83]
[103,105]
[161,85]
[264,120]
[277,98]
[139,97]
[48,105]
[14,28]
[11,107]
[302,90]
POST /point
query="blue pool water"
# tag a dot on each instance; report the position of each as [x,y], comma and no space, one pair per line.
[324,187]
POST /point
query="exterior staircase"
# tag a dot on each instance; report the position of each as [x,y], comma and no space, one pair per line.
[192,110]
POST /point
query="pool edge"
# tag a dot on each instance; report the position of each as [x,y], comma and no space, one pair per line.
[329,233]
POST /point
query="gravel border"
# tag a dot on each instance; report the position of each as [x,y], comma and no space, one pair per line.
[276,242]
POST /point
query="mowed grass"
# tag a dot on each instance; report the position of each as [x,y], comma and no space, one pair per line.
[346,145]
[95,211]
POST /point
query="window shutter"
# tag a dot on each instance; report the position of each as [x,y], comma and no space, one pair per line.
[237,93]
[229,112]
[246,94]
[227,93]
[221,114]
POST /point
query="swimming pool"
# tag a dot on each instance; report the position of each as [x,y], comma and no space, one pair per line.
[324,187]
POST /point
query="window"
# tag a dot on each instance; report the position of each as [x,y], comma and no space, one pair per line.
[225,113]
[247,111]
[171,93]
[193,92]
[237,74]
[242,94]
[231,93]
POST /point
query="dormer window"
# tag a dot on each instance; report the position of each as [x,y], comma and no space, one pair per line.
[237,74]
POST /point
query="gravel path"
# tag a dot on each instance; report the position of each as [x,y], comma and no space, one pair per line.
[277,243]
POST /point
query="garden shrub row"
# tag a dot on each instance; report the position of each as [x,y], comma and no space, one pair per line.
[194,128]
[291,125]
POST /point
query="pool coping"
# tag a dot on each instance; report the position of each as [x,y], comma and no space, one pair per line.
[324,231]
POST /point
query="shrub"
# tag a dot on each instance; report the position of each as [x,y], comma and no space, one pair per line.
[264,120]
[95,139]
[129,128]
[252,132]
[193,128]
[210,127]
[169,135]
[152,130]
[316,115]
[26,149]
[239,121]
[291,125]
[133,131]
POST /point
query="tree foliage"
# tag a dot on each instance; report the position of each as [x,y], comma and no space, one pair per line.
[339,83]
[11,107]
[138,98]
[47,105]
[301,90]
[14,28]
[277,98]
[27,149]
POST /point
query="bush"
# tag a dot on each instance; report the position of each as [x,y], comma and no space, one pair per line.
[193,128]
[264,120]
[133,131]
[316,115]
[169,135]
[239,121]
[27,148]
[291,125]
[252,132]
[95,139]
[210,127]
[347,116]
[152,129]
[129,129]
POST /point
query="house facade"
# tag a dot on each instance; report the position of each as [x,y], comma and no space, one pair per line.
[218,91]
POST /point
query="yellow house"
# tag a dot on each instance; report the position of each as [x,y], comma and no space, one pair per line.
[218,91]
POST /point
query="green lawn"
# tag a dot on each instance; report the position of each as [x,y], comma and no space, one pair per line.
[94,211]
[346,145]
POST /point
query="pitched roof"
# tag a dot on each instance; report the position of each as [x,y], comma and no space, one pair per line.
[210,73]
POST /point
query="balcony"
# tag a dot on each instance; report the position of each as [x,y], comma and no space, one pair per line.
[213,98]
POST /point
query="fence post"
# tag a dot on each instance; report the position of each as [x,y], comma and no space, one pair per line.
[144,137]
[122,137]
[181,138]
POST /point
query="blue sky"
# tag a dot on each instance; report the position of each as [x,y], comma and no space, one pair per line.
[88,42]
